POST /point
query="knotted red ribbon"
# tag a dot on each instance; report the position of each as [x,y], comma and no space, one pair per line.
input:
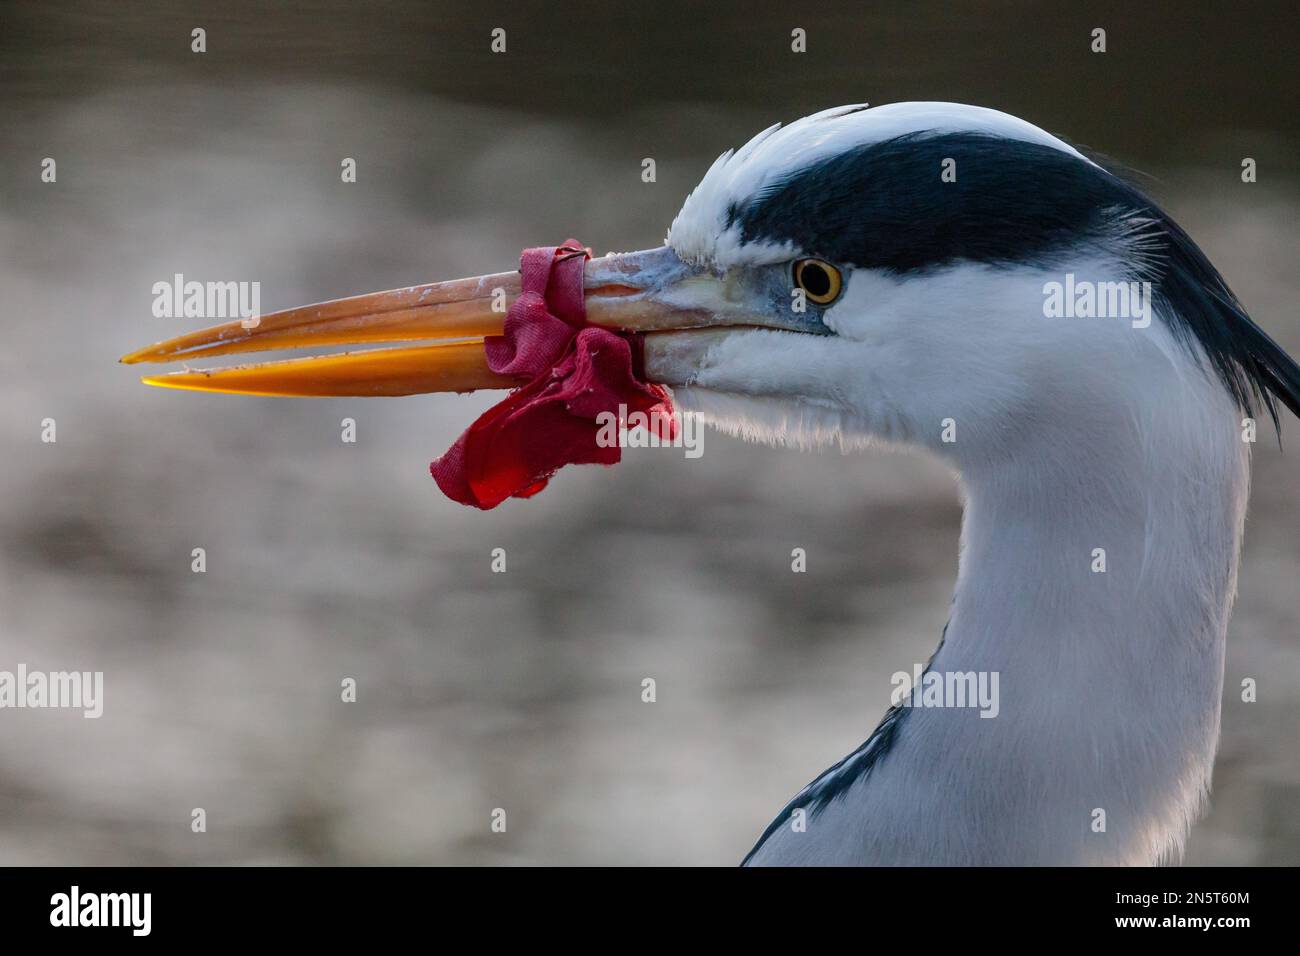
[575,371]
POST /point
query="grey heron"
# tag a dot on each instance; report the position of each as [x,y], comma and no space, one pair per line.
[882,275]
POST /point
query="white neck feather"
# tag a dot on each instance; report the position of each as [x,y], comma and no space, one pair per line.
[1109,682]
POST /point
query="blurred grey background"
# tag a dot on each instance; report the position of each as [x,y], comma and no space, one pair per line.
[328,560]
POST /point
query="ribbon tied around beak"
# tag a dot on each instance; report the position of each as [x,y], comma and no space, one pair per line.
[575,373]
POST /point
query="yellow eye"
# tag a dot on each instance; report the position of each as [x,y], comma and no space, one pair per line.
[819,280]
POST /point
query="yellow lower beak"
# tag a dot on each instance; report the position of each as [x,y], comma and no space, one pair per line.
[445,367]
[625,292]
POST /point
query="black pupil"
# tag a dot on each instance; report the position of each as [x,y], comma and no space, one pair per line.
[815,280]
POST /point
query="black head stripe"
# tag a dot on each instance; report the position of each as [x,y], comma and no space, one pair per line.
[886,205]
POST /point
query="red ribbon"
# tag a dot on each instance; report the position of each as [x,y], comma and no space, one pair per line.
[575,370]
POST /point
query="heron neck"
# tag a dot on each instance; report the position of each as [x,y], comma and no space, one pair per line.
[1096,579]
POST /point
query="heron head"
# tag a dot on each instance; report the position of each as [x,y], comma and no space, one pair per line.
[859,274]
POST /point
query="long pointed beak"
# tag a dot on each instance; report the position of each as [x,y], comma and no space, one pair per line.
[633,292]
